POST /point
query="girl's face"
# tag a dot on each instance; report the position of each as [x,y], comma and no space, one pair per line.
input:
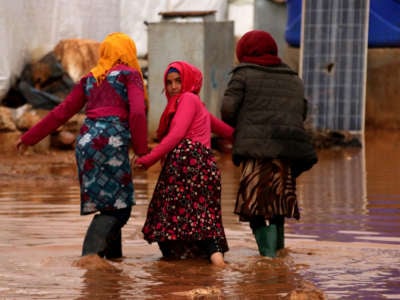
[174,84]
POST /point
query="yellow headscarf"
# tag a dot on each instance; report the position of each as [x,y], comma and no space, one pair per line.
[117,48]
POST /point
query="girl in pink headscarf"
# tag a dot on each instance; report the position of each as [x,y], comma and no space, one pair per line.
[184,215]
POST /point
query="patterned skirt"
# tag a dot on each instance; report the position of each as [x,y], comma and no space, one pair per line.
[102,155]
[267,188]
[186,203]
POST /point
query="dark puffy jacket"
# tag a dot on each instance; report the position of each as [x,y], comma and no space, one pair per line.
[267,108]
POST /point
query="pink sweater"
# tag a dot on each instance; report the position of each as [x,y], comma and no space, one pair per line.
[108,103]
[192,121]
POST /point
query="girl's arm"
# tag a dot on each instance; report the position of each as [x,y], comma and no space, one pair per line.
[180,124]
[232,100]
[71,105]
[221,129]
[137,113]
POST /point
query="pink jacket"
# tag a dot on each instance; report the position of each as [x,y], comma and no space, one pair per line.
[193,121]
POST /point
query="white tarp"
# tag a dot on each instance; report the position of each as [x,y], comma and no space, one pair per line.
[31,28]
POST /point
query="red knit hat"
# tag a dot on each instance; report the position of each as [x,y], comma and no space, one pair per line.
[258,47]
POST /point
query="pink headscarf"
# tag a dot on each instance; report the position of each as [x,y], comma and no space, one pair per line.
[191,79]
[258,47]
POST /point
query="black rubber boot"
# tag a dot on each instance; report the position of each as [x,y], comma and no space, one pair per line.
[114,250]
[280,228]
[165,249]
[103,231]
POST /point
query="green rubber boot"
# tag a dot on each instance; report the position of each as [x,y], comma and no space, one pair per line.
[266,238]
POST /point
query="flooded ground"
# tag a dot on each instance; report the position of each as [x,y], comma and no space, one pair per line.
[346,245]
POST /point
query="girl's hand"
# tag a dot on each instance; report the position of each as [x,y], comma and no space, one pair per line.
[20,146]
[135,164]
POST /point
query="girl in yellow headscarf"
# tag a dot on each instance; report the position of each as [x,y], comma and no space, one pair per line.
[115,49]
[113,97]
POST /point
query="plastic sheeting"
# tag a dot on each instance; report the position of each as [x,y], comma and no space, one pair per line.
[31,28]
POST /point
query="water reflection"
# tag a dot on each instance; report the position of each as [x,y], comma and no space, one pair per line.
[346,243]
[183,279]
[351,194]
[103,280]
[333,196]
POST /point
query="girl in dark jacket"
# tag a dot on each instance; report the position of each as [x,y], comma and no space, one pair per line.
[264,102]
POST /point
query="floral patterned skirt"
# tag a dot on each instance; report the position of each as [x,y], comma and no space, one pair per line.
[186,203]
[102,155]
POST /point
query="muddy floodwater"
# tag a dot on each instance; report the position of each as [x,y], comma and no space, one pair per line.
[345,246]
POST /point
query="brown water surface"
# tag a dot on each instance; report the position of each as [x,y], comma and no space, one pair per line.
[346,244]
